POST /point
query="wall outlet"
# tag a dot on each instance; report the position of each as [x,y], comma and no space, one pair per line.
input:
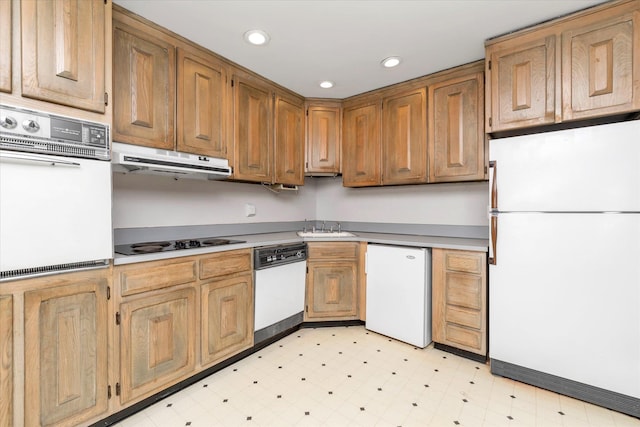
[250,209]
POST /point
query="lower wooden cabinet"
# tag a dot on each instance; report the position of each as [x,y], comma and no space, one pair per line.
[157,341]
[65,353]
[6,360]
[459,299]
[332,281]
[227,317]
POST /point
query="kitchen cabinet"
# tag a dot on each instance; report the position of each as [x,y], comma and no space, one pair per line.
[456,128]
[361,145]
[459,299]
[226,305]
[252,121]
[144,73]
[6,360]
[63,52]
[333,275]
[579,66]
[404,137]
[6,63]
[65,349]
[323,142]
[289,140]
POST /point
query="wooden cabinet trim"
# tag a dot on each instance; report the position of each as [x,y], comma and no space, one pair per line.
[138,278]
[6,360]
[225,263]
[6,59]
[332,250]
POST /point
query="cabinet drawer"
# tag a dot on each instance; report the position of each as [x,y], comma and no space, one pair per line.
[146,278]
[464,317]
[468,262]
[464,290]
[463,336]
[224,263]
[333,250]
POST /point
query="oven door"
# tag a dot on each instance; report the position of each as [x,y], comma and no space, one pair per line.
[54,211]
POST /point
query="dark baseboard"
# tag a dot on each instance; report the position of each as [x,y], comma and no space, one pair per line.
[462,353]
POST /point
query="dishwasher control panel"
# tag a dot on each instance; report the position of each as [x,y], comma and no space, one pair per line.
[270,256]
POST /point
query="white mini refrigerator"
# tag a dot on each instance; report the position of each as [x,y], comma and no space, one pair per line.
[398,298]
[564,273]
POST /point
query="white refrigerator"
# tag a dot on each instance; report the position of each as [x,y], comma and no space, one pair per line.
[564,273]
[398,294]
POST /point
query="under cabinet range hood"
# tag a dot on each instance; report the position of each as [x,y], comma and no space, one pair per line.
[140,160]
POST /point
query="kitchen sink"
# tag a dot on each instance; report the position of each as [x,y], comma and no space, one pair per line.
[326,234]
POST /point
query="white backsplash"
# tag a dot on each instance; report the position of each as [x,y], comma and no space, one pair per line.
[152,201]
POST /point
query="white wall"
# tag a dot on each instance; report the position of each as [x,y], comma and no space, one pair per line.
[448,204]
[153,201]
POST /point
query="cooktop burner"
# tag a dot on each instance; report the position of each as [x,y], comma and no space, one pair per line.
[172,245]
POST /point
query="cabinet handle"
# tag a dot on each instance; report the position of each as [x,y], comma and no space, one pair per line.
[493,260]
[53,161]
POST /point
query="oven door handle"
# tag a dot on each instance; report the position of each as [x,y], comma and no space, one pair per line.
[53,161]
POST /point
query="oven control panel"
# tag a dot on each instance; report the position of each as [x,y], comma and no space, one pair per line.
[39,132]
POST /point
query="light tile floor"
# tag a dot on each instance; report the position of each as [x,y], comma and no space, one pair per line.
[348,376]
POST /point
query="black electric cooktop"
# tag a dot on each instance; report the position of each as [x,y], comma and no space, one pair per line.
[172,245]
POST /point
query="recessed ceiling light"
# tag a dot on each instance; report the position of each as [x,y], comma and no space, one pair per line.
[327,84]
[256,37]
[391,62]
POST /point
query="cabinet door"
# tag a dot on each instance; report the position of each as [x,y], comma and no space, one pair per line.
[598,72]
[523,84]
[323,140]
[63,52]
[252,131]
[331,289]
[456,129]
[5,46]
[157,342]
[66,352]
[227,318]
[361,146]
[404,141]
[202,105]
[6,361]
[289,142]
[143,87]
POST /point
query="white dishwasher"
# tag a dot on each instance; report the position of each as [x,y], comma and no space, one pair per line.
[398,295]
[280,275]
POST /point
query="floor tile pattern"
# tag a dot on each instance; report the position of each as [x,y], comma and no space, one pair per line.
[348,376]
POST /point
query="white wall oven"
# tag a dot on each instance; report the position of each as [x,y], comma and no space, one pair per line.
[55,194]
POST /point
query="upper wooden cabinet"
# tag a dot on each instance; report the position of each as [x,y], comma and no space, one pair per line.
[5,46]
[361,145]
[143,85]
[456,128]
[289,140]
[580,66]
[323,145]
[168,93]
[252,118]
[404,138]
[63,52]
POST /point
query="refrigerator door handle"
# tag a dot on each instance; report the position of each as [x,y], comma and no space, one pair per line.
[493,166]
[493,237]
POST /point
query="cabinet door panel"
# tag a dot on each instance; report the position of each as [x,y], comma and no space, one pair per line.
[157,342]
[598,69]
[361,146]
[66,352]
[252,130]
[227,318]
[202,104]
[456,133]
[5,46]
[323,140]
[523,85]
[63,52]
[6,361]
[332,291]
[289,144]
[404,141]
[144,88]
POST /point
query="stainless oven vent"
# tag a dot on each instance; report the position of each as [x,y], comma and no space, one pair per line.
[50,269]
[47,146]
